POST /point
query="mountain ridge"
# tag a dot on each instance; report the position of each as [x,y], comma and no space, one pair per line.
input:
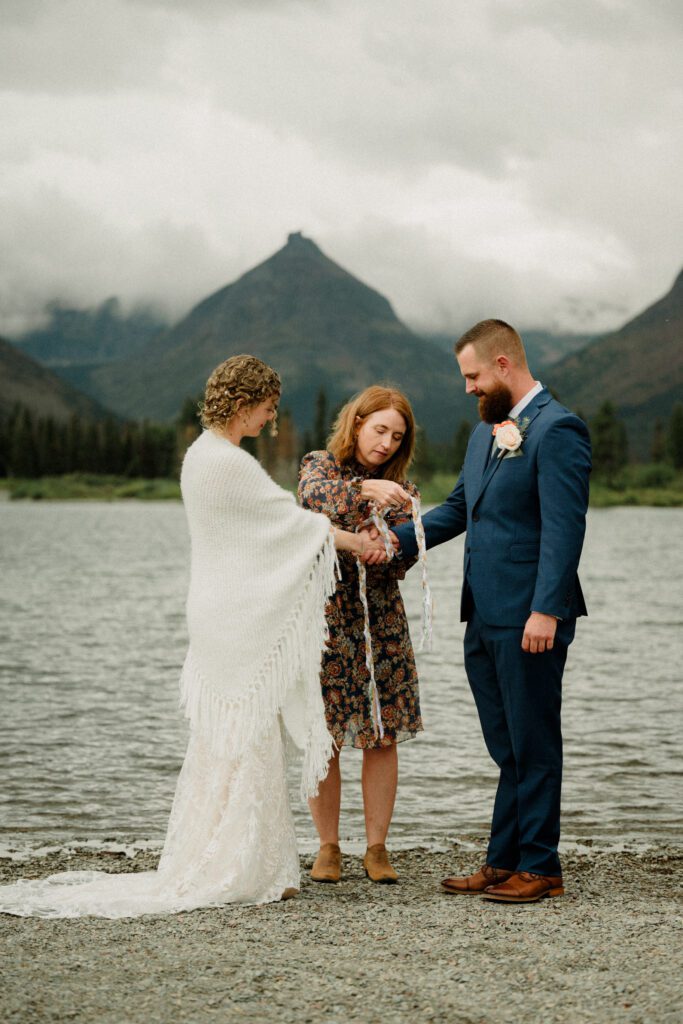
[26,382]
[316,323]
[322,327]
[639,368]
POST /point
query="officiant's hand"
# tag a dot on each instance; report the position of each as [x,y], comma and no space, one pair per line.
[383,493]
[539,633]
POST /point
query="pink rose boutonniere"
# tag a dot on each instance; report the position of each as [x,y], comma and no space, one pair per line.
[509,436]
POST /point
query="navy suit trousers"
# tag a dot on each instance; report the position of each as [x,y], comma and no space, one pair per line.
[519,697]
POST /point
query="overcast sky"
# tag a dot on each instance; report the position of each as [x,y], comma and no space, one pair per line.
[514,158]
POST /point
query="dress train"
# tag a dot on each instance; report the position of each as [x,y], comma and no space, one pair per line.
[230,839]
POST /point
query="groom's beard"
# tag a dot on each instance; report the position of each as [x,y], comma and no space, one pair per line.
[495,406]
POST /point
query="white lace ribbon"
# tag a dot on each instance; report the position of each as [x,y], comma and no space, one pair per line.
[376,518]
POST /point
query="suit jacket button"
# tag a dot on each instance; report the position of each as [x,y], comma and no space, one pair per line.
[475,518]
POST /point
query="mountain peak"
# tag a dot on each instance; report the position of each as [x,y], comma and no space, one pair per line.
[317,323]
[297,242]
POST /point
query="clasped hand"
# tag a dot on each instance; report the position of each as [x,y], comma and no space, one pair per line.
[382,494]
[374,551]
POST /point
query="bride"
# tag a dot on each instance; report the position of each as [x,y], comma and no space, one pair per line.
[261,571]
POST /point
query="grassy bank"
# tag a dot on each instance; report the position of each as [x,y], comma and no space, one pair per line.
[89,487]
[655,485]
[658,486]
[604,496]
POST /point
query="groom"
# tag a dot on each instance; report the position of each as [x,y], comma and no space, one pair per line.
[522,497]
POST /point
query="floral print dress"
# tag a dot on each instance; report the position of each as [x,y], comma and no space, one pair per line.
[328,487]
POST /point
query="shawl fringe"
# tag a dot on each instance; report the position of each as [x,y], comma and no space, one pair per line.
[294,662]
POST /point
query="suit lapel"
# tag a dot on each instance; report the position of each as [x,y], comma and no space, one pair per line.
[529,413]
[476,462]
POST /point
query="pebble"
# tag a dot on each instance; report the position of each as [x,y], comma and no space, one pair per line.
[609,950]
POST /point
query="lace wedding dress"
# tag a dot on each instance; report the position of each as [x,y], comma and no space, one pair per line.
[230,839]
[262,570]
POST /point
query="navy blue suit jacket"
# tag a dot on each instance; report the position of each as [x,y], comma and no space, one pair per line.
[525,517]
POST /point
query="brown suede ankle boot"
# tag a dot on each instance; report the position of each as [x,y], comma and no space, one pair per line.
[377,866]
[327,865]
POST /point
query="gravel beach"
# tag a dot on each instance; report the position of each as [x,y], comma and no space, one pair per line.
[609,950]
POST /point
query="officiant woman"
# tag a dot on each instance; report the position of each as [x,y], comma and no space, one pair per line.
[365,465]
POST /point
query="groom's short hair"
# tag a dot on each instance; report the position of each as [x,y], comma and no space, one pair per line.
[491,338]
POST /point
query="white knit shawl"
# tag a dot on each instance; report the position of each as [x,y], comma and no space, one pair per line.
[261,571]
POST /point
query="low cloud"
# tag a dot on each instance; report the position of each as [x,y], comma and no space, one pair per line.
[461,158]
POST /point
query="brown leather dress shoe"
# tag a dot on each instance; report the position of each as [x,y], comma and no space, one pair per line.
[327,865]
[377,866]
[525,887]
[474,885]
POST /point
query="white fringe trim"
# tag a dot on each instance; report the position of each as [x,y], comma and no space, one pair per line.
[234,725]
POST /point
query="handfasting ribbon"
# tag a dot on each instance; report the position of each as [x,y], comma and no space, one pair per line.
[427,604]
[376,518]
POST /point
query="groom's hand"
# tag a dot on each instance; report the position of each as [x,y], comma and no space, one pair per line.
[539,633]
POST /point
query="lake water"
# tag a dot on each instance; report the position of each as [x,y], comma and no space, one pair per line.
[93,636]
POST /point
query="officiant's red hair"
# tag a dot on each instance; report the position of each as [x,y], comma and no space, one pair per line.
[342,440]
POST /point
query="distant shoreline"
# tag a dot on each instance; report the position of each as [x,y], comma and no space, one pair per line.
[91,487]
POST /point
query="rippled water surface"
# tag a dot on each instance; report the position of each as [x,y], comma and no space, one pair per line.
[93,637]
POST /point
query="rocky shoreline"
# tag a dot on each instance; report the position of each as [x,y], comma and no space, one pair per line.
[609,950]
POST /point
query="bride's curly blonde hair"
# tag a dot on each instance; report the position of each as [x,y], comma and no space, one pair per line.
[242,379]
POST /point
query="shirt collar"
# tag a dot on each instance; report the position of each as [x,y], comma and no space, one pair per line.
[523,402]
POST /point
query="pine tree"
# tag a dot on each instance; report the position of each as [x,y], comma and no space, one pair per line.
[286,468]
[145,455]
[188,429]
[424,463]
[111,447]
[609,441]
[23,452]
[74,445]
[306,445]
[91,457]
[4,446]
[287,440]
[189,413]
[129,449]
[321,421]
[51,453]
[266,451]
[658,449]
[167,452]
[462,436]
[676,436]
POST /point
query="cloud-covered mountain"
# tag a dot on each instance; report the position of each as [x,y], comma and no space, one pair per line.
[322,327]
[86,337]
[543,348]
[468,160]
[25,382]
[639,368]
[318,325]
[74,342]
